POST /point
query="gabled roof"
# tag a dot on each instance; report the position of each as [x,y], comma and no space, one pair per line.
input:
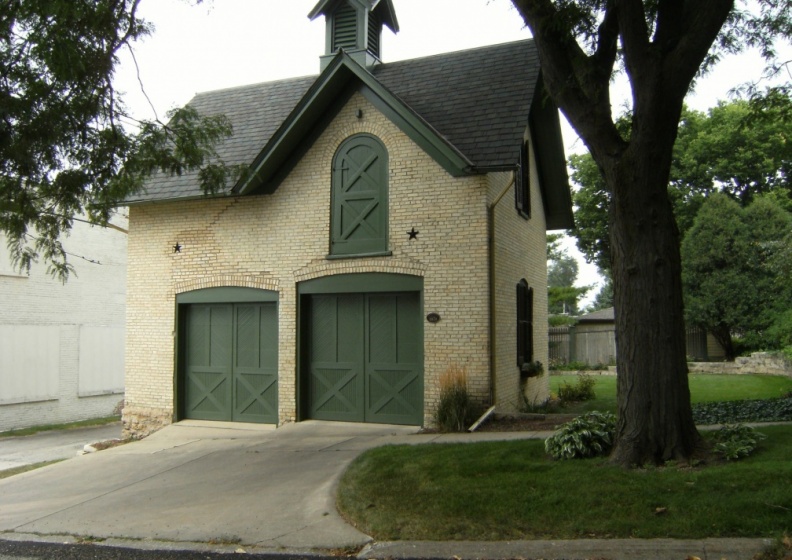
[383,7]
[600,316]
[467,109]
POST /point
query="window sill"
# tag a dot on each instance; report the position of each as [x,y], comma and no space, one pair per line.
[359,255]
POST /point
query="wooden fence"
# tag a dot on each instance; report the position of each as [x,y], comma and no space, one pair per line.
[598,346]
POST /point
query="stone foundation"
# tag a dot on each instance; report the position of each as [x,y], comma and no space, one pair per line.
[766,363]
[140,422]
[763,363]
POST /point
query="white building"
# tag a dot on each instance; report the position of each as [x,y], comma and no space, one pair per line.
[62,345]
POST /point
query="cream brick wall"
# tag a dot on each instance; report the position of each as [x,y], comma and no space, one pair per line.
[520,252]
[275,241]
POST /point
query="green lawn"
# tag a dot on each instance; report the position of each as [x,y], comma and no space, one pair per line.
[512,490]
[703,388]
[25,468]
[68,426]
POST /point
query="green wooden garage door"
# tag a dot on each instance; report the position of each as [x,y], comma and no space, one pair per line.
[365,358]
[231,362]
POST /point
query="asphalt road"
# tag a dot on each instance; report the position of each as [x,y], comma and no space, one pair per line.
[11,550]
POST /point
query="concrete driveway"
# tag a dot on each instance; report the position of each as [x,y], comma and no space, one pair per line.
[52,445]
[253,487]
[201,482]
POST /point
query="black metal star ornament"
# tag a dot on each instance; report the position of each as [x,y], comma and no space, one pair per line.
[413,234]
[177,248]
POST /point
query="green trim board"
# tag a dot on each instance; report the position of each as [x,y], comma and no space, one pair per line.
[364,282]
[420,132]
[548,145]
[384,7]
[226,295]
[312,109]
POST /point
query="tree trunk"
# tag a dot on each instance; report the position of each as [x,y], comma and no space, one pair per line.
[655,421]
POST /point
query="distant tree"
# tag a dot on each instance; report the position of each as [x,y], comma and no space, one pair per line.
[562,273]
[730,285]
[731,149]
[68,146]
[604,298]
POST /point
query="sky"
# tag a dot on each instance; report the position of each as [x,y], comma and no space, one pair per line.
[227,43]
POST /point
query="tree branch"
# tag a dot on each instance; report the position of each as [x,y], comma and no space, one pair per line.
[580,84]
[686,49]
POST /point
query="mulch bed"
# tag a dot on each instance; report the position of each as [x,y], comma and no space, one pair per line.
[524,422]
[518,422]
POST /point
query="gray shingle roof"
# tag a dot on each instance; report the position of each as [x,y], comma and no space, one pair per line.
[478,100]
[606,315]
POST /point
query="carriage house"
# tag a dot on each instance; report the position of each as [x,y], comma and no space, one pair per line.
[392,226]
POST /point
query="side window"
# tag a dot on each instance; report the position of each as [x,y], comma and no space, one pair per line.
[524,323]
[359,207]
[522,186]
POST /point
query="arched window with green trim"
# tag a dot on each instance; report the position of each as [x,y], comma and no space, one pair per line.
[359,211]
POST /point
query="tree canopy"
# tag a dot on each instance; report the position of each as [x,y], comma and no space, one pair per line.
[68,147]
[731,287]
[562,273]
[730,149]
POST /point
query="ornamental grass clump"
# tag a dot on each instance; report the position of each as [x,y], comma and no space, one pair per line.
[455,408]
[590,435]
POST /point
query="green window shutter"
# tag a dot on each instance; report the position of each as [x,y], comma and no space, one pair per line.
[524,323]
[522,186]
[360,197]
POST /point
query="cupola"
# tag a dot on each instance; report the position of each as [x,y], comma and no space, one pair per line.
[356,27]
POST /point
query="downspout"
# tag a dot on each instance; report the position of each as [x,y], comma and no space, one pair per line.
[493,313]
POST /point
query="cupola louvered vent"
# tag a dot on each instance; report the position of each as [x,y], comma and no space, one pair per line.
[355,26]
[374,33]
[345,29]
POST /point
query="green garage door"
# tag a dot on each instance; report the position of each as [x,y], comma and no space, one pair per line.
[231,362]
[365,358]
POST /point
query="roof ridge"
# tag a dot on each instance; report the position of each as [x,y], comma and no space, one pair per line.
[252,85]
[459,51]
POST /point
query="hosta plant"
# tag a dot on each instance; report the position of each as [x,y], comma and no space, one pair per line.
[590,435]
[736,441]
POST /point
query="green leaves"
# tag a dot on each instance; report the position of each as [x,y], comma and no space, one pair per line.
[756,410]
[741,148]
[736,441]
[67,146]
[590,435]
[730,283]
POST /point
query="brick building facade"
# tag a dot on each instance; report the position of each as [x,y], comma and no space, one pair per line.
[447,241]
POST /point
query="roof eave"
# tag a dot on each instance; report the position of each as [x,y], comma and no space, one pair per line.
[551,161]
[312,109]
[388,12]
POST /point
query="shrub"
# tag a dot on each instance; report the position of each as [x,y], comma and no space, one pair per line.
[583,390]
[549,406]
[757,410]
[455,410]
[590,435]
[736,441]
